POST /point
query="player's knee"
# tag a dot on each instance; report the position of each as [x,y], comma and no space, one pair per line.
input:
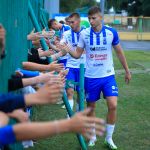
[112,107]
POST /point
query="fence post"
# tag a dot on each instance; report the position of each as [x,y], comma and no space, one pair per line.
[81,85]
[102,6]
[36,25]
[140,29]
[70,112]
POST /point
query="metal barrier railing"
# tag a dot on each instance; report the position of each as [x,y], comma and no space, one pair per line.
[128,24]
[65,99]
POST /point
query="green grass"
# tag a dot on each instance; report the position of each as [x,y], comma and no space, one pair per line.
[135,59]
[133,124]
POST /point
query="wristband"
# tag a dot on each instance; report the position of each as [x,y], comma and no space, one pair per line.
[27,73]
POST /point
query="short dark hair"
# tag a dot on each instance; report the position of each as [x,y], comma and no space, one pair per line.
[94,10]
[50,22]
[75,15]
[67,18]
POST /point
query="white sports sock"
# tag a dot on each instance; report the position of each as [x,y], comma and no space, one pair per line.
[109,131]
[93,138]
[71,102]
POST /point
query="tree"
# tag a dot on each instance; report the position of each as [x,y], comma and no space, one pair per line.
[136,7]
[146,8]
[71,5]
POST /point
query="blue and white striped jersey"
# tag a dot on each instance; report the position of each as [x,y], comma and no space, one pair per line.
[72,38]
[98,46]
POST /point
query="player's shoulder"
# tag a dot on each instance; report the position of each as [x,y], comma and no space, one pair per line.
[86,31]
[110,29]
[67,32]
[66,27]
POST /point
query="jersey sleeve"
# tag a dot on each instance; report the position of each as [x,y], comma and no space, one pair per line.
[9,102]
[14,84]
[7,135]
[115,37]
[67,28]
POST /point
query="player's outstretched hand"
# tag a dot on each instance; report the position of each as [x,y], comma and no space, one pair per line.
[82,123]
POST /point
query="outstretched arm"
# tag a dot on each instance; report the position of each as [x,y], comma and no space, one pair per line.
[40,67]
[76,54]
[80,123]
[51,92]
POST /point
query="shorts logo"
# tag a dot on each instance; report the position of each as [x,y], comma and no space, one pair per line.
[74,44]
[113,87]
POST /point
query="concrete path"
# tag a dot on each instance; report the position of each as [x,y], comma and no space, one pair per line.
[134,71]
[136,45]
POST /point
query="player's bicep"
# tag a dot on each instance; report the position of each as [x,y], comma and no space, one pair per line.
[117,47]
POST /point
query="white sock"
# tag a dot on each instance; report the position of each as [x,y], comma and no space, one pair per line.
[109,131]
[93,138]
[77,107]
[71,102]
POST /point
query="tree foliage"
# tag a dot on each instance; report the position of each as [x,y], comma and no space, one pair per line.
[71,5]
[134,7]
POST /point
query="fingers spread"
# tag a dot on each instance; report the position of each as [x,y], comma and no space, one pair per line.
[86,111]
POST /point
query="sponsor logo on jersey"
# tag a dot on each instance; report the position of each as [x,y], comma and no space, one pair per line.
[74,44]
[91,55]
[98,56]
[98,48]
[97,64]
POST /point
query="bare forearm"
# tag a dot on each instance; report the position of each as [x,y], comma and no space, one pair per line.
[46,53]
[74,54]
[32,99]
[34,66]
[121,57]
[29,131]
[57,55]
[30,81]
[53,47]
[123,61]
